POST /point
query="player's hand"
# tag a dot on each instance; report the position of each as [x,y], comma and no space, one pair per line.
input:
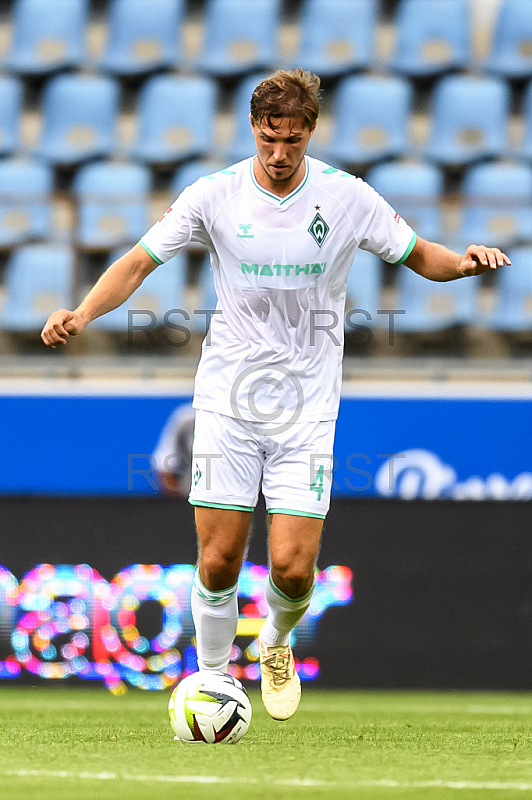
[60,325]
[478,259]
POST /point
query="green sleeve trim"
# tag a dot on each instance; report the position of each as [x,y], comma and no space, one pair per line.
[277,591]
[295,513]
[220,505]
[408,250]
[149,252]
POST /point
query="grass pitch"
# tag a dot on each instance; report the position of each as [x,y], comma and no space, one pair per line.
[61,743]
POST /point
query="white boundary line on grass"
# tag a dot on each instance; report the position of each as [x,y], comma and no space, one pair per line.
[294,782]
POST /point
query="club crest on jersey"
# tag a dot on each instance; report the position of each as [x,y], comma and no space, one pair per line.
[318,229]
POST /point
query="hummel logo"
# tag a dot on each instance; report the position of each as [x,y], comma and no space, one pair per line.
[245,234]
[318,229]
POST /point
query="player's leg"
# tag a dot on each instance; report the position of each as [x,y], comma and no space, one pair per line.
[226,469]
[297,485]
[294,545]
[222,535]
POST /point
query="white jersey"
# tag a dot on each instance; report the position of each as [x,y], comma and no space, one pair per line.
[274,349]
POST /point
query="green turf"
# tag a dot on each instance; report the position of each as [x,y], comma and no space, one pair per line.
[338,740]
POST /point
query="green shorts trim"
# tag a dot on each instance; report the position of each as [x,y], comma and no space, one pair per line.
[220,505]
[149,252]
[293,513]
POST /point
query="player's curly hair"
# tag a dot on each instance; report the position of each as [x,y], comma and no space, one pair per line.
[286,93]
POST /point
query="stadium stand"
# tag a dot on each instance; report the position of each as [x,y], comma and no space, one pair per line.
[80,115]
[496,204]
[240,36]
[48,35]
[38,280]
[242,144]
[370,120]
[112,204]
[143,37]
[11,100]
[161,292]
[415,191]
[433,305]
[525,148]
[25,201]
[511,48]
[433,36]
[176,119]
[513,306]
[462,130]
[337,36]
[192,119]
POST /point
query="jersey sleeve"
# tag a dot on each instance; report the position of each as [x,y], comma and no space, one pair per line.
[181,225]
[386,234]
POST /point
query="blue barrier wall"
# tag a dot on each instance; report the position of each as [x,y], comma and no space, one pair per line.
[409,446]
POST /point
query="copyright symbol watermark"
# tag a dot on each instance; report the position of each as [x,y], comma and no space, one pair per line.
[244,397]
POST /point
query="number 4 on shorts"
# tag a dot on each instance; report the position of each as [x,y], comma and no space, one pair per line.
[317,483]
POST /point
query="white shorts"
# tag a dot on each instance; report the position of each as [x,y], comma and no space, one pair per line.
[232,459]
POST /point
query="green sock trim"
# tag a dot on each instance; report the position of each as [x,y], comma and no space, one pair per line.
[306,596]
[209,596]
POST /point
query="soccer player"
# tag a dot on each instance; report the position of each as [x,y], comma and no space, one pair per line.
[282,230]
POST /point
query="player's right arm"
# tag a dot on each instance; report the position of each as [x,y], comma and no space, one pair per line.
[111,290]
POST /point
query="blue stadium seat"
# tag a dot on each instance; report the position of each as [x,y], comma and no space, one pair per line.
[513,307]
[38,280]
[11,99]
[371,117]
[48,35]
[462,130]
[191,172]
[80,114]
[511,47]
[497,200]
[242,142]
[434,305]
[415,191]
[364,286]
[336,36]
[176,118]
[240,36]
[433,36]
[161,291]
[143,36]
[525,148]
[112,204]
[25,211]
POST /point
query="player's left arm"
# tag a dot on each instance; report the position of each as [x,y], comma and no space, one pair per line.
[438,263]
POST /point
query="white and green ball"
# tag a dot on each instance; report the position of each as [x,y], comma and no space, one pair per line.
[210,707]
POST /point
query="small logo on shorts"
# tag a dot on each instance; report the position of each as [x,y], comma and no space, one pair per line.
[197,475]
[318,229]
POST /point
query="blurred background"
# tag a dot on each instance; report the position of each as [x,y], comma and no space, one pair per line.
[107,111]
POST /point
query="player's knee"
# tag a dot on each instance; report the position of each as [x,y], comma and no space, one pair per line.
[219,569]
[292,578]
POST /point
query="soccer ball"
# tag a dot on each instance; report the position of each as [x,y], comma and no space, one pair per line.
[209,707]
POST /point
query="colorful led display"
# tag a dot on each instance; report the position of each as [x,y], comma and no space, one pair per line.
[66,620]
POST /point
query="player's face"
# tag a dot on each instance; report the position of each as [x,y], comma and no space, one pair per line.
[280,151]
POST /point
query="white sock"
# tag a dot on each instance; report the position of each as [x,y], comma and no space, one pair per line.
[215,617]
[283,615]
